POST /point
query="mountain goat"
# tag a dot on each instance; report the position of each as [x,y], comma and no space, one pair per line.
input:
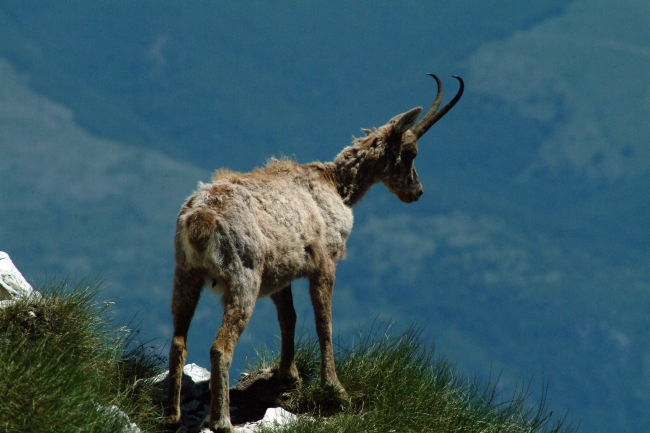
[249,235]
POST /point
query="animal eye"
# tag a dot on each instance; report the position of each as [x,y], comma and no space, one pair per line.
[409,153]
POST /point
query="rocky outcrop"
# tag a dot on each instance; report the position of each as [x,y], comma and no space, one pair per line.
[252,400]
[12,283]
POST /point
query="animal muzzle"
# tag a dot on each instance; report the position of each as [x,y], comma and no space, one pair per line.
[411,196]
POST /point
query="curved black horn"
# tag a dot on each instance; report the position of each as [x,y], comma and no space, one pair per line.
[421,127]
[432,116]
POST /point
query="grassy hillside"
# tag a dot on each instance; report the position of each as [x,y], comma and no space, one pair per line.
[63,365]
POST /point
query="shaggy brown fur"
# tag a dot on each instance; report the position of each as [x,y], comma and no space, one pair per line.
[249,235]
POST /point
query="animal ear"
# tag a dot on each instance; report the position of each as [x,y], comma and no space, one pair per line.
[402,122]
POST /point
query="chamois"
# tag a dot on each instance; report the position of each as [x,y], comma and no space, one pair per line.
[249,235]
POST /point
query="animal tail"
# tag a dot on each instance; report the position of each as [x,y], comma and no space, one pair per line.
[200,223]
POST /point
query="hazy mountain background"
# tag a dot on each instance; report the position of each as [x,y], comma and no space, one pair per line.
[528,255]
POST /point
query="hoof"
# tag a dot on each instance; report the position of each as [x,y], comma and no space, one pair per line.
[340,396]
[172,427]
[223,426]
[172,420]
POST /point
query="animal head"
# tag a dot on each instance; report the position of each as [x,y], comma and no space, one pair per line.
[401,135]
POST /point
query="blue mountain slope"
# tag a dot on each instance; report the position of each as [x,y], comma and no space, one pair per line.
[527,255]
[279,78]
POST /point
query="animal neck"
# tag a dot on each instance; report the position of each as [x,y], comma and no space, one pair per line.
[357,168]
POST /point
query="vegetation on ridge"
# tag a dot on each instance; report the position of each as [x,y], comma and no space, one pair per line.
[396,384]
[63,365]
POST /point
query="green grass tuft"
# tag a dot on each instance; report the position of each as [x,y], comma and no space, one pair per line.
[395,384]
[63,366]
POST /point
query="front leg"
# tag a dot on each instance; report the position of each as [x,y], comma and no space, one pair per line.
[283,301]
[321,286]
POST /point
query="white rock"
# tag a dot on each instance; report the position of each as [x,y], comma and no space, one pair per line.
[129,427]
[274,417]
[12,283]
[196,373]
[160,377]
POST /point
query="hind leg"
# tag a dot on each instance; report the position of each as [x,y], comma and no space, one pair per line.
[238,304]
[283,301]
[185,297]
